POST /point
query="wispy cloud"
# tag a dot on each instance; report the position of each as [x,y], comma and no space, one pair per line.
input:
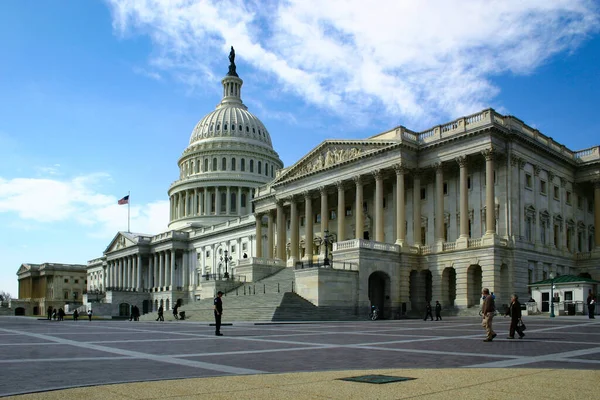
[411,59]
[76,200]
[148,74]
[51,170]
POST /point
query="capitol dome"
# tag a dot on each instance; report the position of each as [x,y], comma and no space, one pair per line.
[229,155]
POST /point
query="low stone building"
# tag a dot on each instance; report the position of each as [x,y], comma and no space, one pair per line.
[49,285]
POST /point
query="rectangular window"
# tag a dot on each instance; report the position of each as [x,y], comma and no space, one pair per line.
[543,188]
[301,221]
[244,246]
[288,223]
[556,193]
[423,193]
[528,229]
[445,188]
[469,182]
[75,295]
[384,203]
[66,295]
[233,249]
[66,280]
[569,198]
[76,280]
[543,234]
[208,253]
[365,208]
[569,234]
[528,181]
[445,231]
[556,236]
[423,235]
[348,211]
[568,296]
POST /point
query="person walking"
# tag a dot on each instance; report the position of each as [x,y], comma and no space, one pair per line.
[90,314]
[438,311]
[514,311]
[218,308]
[75,315]
[487,312]
[591,303]
[175,311]
[160,314]
[61,314]
[428,312]
[50,313]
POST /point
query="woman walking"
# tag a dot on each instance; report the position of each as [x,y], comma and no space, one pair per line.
[514,311]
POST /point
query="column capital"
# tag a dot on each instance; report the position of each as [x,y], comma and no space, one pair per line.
[438,167]
[307,195]
[400,169]
[358,180]
[377,174]
[416,173]
[462,161]
[550,176]
[596,183]
[323,190]
[489,154]
[279,202]
[293,198]
[536,170]
[341,185]
[258,215]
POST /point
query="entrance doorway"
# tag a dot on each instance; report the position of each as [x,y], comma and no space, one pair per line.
[546,302]
[379,292]
[123,310]
[145,306]
[474,285]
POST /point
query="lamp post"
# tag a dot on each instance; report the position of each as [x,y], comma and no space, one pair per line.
[326,240]
[225,258]
[551,295]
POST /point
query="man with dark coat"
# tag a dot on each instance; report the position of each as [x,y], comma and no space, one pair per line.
[514,311]
[218,308]
[488,310]
[438,311]
[591,303]
[50,313]
[428,312]
[160,314]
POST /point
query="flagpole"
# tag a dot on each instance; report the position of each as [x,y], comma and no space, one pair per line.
[128,213]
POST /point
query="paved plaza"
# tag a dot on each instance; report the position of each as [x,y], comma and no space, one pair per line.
[38,355]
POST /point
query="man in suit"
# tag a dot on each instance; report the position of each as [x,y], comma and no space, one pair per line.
[438,311]
[218,308]
[514,311]
[487,312]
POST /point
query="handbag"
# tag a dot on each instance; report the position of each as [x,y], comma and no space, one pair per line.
[521,325]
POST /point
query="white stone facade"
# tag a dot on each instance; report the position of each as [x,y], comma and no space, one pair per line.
[410,217]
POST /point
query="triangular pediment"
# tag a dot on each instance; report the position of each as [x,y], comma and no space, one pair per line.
[331,153]
[24,269]
[120,241]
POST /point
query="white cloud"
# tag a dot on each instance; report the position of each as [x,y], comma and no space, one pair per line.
[45,201]
[416,59]
[148,74]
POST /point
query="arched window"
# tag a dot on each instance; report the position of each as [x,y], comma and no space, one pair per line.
[251,165]
[233,202]
[243,198]
[240,127]
[225,126]
[214,166]
[197,166]
[272,173]
[233,164]
[247,128]
[205,164]
[243,166]
[224,164]
[259,167]
[218,126]
[233,127]
[266,169]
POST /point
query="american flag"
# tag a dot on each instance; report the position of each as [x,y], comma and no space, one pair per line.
[124,200]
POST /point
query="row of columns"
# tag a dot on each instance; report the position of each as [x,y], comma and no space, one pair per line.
[198,202]
[379,220]
[124,272]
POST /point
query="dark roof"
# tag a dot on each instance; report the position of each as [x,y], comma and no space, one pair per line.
[565,279]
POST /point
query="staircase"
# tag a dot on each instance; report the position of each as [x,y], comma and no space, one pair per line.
[270,299]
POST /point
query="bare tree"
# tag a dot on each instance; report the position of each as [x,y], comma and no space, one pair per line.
[5,296]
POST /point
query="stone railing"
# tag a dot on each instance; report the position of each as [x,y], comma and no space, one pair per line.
[96,261]
[426,249]
[449,246]
[475,243]
[261,261]
[365,244]
[583,256]
[593,153]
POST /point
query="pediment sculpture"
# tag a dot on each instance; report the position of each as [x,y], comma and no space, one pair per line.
[328,158]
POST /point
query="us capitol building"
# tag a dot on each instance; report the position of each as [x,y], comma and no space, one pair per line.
[395,220]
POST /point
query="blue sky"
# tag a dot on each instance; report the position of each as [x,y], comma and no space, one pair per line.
[98,98]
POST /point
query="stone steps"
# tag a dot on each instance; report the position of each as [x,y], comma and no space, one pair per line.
[270,303]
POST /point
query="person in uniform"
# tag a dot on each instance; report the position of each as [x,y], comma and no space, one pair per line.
[218,308]
[428,312]
[438,311]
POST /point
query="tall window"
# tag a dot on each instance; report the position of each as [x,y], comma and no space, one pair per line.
[528,228]
[556,235]
[205,164]
[223,202]
[251,165]
[233,202]
[233,164]
[223,164]
[266,169]
[259,167]
[214,164]
[423,235]
[243,165]
[243,200]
